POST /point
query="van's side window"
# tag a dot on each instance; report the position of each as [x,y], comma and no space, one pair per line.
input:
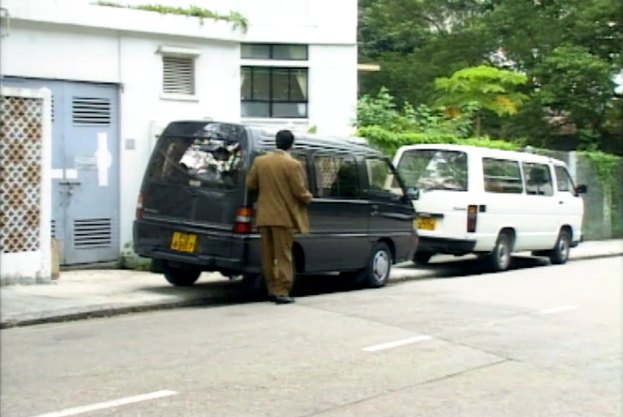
[303,160]
[381,177]
[502,176]
[563,180]
[538,179]
[336,176]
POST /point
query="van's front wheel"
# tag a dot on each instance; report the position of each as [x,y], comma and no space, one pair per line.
[500,257]
[181,276]
[376,274]
[560,253]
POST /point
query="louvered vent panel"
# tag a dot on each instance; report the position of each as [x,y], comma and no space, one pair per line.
[92,233]
[91,111]
[178,75]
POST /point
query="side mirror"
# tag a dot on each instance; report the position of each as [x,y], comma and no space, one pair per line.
[581,189]
[413,193]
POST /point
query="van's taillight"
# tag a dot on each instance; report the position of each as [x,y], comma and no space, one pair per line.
[139,207]
[244,220]
[472,216]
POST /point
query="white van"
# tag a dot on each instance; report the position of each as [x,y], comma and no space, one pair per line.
[491,203]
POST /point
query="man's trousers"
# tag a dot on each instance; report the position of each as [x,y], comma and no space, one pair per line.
[277,259]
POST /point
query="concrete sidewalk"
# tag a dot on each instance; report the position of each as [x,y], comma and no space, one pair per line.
[97,293]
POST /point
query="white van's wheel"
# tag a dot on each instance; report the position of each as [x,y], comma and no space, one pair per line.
[500,257]
[376,274]
[560,253]
[181,277]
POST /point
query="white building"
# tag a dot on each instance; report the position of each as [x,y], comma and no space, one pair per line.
[118,75]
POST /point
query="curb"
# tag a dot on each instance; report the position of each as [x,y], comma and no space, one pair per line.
[111,310]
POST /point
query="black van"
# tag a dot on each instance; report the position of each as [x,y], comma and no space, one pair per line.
[195,214]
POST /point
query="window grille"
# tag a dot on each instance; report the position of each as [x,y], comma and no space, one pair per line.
[92,233]
[178,74]
[92,111]
[20,174]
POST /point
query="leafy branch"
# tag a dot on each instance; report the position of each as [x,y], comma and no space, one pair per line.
[237,19]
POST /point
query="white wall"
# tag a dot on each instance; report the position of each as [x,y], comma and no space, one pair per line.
[77,41]
[333,89]
[42,51]
[145,113]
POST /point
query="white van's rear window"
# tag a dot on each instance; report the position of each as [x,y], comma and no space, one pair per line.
[434,169]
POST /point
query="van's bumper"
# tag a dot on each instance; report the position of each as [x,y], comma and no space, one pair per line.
[217,250]
[444,245]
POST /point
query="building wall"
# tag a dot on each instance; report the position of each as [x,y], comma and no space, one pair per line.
[77,41]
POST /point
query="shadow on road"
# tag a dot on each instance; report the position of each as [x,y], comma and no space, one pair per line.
[227,292]
[462,267]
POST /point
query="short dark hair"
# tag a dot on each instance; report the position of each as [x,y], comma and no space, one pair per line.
[284,139]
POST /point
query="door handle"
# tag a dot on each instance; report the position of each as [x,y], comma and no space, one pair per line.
[561,202]
[70,183]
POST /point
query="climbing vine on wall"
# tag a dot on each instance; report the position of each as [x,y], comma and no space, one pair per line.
[235,18]
[606,167]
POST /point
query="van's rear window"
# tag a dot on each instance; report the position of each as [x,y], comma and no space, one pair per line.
[434,169]
[212,157]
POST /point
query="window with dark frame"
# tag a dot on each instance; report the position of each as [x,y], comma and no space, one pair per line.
[282,52]
[273,92]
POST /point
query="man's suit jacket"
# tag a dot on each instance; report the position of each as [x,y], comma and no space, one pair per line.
[282,196]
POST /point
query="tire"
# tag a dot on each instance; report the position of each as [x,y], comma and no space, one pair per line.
[560,253]
[181,276]
[376,273]
[422,258]
[500,257]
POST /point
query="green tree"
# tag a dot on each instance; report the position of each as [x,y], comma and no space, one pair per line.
[577,90]
[485,87]
[418,41]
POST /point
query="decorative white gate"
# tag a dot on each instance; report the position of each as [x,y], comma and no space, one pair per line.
[25,195]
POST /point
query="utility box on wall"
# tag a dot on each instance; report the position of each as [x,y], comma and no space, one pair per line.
[25,186]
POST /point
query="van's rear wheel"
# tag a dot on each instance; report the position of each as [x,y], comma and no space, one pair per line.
[181,276]
[560,253]
[376,274]
[500,257]
[422,258]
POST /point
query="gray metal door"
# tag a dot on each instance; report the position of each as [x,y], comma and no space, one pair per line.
[85,168]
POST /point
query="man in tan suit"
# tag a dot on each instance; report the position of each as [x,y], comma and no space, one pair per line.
[281,210]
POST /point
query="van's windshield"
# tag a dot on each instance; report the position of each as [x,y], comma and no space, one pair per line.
[434,169]
[211,158]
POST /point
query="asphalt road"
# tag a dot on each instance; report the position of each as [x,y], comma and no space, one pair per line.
[534,341]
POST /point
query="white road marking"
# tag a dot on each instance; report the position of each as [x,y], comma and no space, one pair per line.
[396,343]
[109,404]
[558,309]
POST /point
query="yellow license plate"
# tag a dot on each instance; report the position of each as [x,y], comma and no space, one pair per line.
[425,223]
[184,242]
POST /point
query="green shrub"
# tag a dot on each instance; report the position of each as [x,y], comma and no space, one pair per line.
[389,141]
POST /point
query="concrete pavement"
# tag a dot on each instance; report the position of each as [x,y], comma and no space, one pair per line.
[97,293]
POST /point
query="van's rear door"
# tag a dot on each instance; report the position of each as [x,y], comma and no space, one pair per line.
[195,175]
